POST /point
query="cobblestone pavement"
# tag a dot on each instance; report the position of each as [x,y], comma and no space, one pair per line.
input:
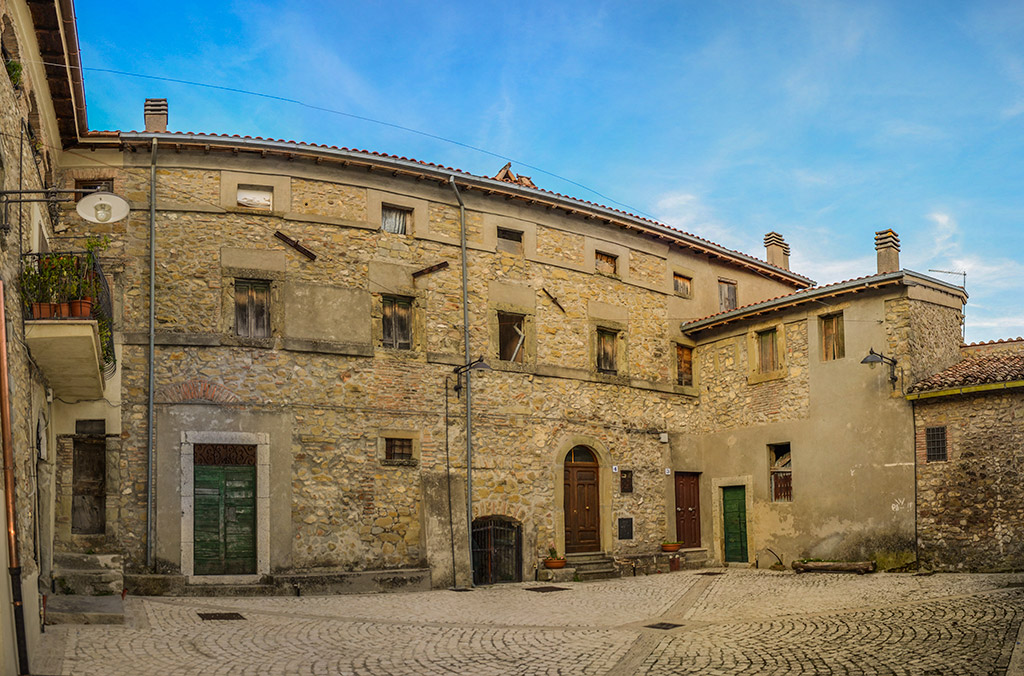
[738,622]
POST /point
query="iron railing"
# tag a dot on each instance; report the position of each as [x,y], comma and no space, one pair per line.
[60,285]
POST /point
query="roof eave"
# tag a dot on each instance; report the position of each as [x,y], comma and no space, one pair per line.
[965,389]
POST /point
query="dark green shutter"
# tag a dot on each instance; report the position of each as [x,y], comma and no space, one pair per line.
[734,509]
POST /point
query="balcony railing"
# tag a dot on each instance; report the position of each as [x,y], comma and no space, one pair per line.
[69,286]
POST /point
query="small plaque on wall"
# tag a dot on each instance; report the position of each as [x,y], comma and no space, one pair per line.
[626,528]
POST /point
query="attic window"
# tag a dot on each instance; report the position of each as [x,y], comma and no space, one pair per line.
[605,263]
[394,219]
[90,185]
[255,197]
[510,240]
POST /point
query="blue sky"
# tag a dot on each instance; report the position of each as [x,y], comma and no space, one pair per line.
[825,121]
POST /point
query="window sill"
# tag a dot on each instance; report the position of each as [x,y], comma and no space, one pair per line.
[392,462]
[241,341]
[688,390]
[755,378]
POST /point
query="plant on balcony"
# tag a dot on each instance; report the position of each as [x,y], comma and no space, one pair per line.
[35,293]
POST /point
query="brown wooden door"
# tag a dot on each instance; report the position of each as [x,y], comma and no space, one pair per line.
[89,486]
[688,508]
[582,502]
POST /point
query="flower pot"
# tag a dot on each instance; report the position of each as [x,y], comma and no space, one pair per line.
[42,310]
[671,546]
[81,308]
[63,309]
[554,563]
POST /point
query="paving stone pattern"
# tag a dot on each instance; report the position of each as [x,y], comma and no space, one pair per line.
[743,622]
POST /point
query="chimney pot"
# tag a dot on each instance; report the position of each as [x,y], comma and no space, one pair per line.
[887,244]
[776,250]
[156,114]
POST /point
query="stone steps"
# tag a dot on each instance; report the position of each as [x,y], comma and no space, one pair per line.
[87,574]
[78,609]
[591,566]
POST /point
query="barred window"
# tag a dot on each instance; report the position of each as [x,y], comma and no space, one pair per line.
[398,449]
[935,444]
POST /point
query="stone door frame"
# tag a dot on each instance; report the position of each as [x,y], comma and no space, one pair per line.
[262,443]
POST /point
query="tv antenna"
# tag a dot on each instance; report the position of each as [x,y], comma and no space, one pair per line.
[963,285]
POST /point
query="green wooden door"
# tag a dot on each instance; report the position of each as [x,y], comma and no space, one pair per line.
[225,519]
[734,510]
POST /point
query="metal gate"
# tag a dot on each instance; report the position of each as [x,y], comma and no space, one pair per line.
[497,550]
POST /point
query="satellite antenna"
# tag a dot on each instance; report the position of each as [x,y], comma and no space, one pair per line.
[963,285]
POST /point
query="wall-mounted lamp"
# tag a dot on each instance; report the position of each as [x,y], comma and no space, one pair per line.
[95,207]
[879,358]
[477,364]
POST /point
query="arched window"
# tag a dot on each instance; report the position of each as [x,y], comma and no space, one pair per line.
[580,454]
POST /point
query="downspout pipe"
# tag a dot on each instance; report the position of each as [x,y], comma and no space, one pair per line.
[14,563]
[469,390]
[152,356]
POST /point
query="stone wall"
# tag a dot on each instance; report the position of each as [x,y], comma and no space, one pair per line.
[971,508]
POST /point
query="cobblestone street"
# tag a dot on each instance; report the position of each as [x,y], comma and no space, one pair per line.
[738,622]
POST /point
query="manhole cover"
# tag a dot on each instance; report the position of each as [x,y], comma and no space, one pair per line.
[221,616]
[711,572]
[663,625]
[544,590]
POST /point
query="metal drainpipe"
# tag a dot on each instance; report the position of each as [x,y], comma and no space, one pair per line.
[469,391]
[152,356]
[9,487]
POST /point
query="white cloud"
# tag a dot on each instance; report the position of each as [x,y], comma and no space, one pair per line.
[686,211]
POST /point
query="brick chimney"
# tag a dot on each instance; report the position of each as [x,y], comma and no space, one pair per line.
[887,244]
[776,250]
[156,114]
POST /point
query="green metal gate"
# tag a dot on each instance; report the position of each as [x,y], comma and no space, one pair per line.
[225,519]
[734,510]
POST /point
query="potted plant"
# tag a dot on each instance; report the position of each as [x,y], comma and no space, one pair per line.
[554,560]
[670,546]
[34,292]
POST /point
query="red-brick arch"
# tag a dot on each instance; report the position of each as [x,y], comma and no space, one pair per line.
[197,389]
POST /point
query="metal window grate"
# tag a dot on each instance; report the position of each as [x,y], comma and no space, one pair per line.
[397,449]
[220,616]
[935,444]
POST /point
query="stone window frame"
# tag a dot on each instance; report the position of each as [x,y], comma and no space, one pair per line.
[936,440]
[416,222]
[529,343]
[274,278]
[780,464]
[754,372]
[187,467]
[280,186]
[621,352]
[382,437]
[417,322]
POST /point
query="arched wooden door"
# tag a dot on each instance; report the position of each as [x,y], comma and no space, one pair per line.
[582,501]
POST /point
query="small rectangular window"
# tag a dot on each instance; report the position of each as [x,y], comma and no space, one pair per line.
[89,185]
[833,342]
[252,308]
[681,284]
[394,219]
[684,365]
[398,449]
[781,472]
[510,240]
[396,322]
[726,295]
[935,444]
[255,196]
[606,263]
[767,351]
[626,481]
[606,351]
[511,337]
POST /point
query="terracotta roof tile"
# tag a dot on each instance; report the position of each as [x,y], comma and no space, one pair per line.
[997,367]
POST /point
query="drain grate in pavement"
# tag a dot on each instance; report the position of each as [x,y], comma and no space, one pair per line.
[544,590]
[662,625]
[711,572]
[221,616]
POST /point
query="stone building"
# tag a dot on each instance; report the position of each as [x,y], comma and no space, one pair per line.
[969,429]
[278,387]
